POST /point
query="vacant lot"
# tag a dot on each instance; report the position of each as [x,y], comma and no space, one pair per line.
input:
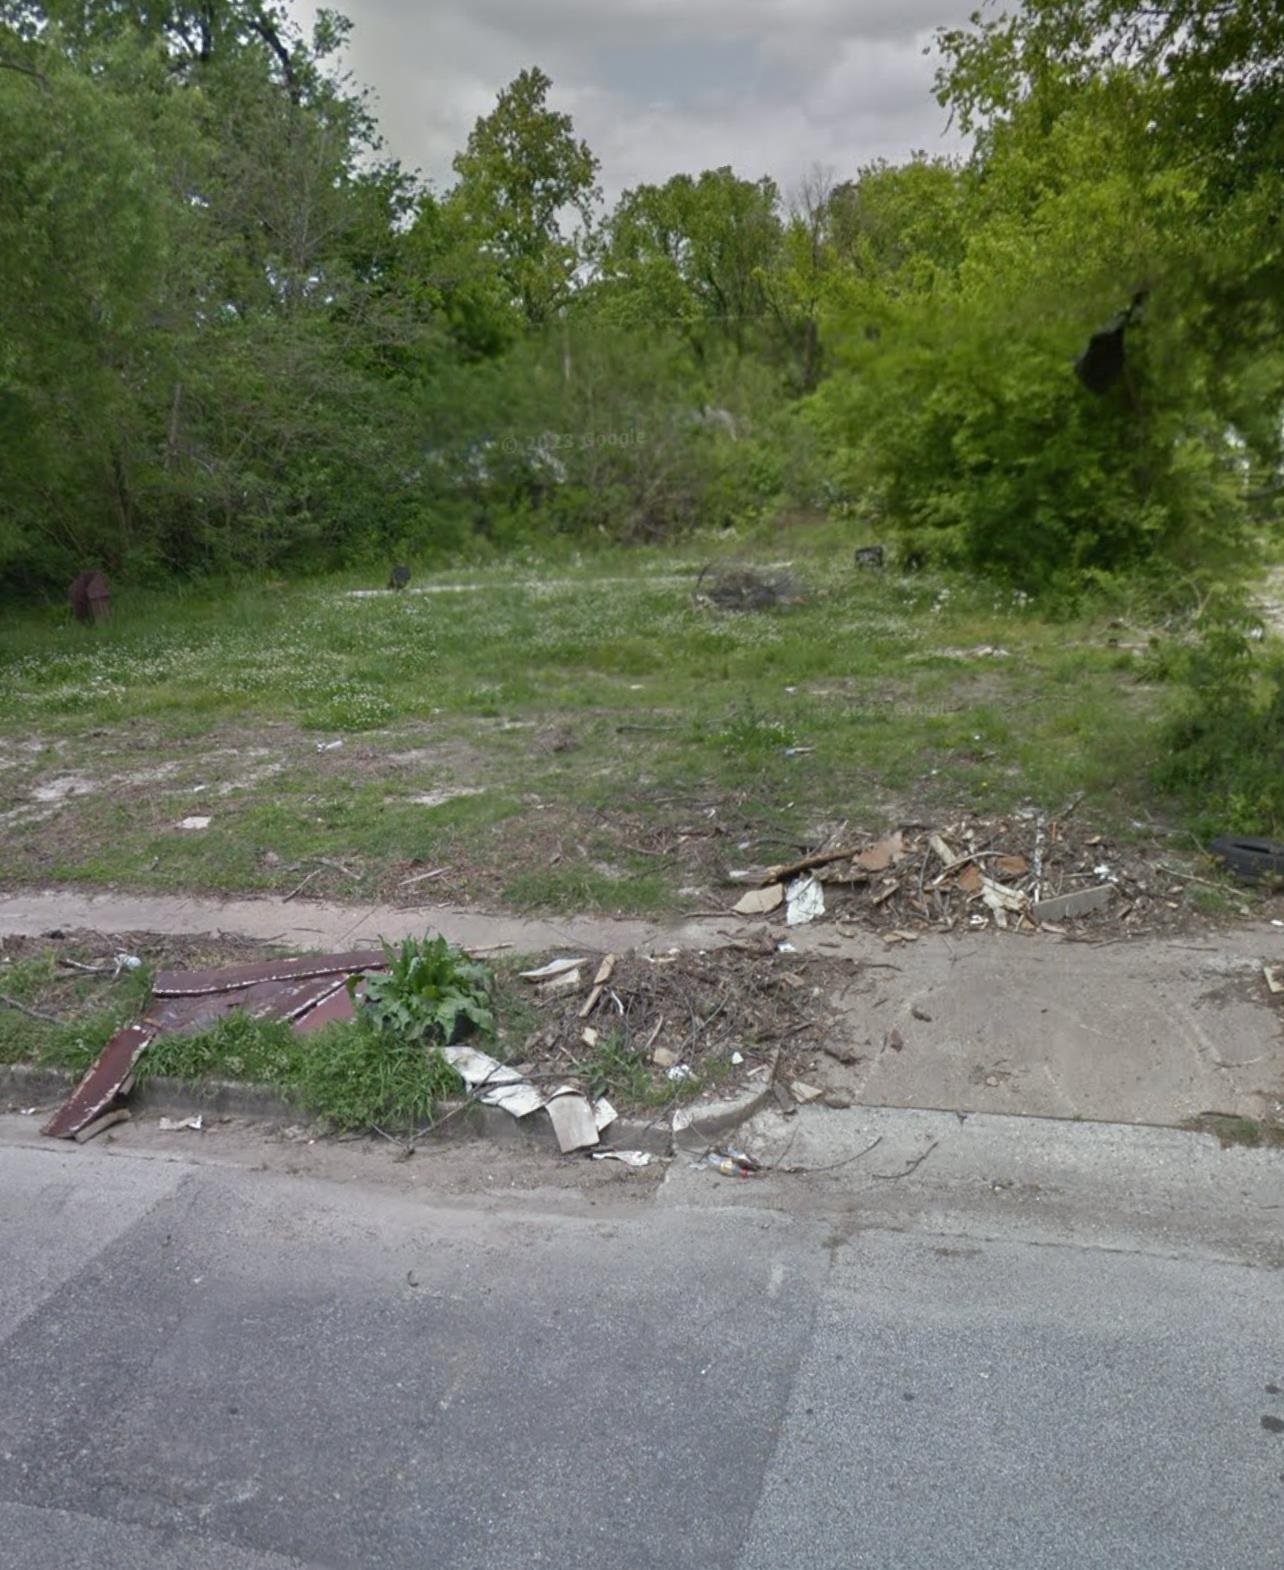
[582,738]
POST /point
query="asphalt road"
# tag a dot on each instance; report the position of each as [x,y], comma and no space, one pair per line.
[206,1367]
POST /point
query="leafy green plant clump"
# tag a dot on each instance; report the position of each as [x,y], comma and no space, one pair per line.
[381,1068]
[431,992]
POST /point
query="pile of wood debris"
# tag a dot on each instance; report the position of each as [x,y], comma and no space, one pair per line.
[1026,872]
[651,1030]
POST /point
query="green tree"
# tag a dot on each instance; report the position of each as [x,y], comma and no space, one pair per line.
[521,174]
[695,255]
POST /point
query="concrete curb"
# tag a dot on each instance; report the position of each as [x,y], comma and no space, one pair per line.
[696,1128]
[25,1085]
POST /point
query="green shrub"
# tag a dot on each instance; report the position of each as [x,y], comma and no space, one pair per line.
[1225,746]
[430,993]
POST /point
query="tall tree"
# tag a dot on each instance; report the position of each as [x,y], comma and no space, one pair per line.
[520,178]
[694,254]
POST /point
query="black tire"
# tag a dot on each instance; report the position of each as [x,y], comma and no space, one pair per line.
[1249,859]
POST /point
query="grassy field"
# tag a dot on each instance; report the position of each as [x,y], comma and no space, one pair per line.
[577,737]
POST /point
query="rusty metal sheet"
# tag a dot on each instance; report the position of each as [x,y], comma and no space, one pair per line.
[190,983]
[261,999]
[338,1005]
[308,992]
[101,1084]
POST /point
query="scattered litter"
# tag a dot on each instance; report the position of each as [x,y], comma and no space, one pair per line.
[564,981]
[630,1158]
[604,1114]
[172,1125]
[554,968]
[27,1112]
[573,1121]
[805,900]
[127,962]
[494,1082]
[759,902]
[804,1093]
[604,973]
[329,746]
[195,823]
[1001,899]
[1274,975]
[798,752]
[680,1072]
[882,853]
[725,1165]
[588,1037]
[786,948]
[423,877]
[732,1162]
[737,1058]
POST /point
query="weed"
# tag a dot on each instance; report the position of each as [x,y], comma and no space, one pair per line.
[1232,1129]
[357,1075]
[1225,747]
[430,992]
[615,1070]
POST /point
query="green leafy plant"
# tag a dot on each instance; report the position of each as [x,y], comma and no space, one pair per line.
[431,993]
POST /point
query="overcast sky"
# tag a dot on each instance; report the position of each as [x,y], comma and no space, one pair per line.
[658,86]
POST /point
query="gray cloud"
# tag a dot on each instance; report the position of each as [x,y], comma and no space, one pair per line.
[657,86]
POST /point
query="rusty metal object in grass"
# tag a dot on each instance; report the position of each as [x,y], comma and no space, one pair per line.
[307,992]
[190,983]
[102,1083]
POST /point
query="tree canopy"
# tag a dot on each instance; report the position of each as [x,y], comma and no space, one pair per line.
[235,333]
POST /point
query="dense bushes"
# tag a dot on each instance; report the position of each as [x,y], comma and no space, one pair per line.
[1224,750]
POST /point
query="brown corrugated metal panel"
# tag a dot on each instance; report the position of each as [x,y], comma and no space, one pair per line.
[338,1005]
[309,992]
[284,999]
[101,1084]
[188,983]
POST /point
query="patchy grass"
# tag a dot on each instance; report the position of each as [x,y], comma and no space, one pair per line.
[1232,1129]
[588,739]
[88,1009]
